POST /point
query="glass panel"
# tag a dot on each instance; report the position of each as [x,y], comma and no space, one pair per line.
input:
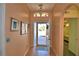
[41,34]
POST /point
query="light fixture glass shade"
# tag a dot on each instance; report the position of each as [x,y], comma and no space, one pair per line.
[41,14]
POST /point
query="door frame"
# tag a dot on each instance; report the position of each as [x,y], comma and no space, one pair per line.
[2,30]
[77,40]
[37,32]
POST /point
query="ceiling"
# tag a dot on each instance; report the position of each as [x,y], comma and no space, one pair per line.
[45,6]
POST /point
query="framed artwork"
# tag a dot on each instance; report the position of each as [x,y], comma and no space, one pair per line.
[22,28]
[26,28]
[14,24]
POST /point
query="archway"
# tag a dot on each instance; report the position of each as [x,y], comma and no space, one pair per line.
[71,30]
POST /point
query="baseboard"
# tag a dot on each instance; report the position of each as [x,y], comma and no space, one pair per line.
[72,53]
[26,51]
[53,52]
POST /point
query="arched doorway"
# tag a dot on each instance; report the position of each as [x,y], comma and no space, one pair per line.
[71,22]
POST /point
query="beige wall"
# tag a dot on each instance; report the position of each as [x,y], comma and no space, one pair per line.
[72,11]
[56,34]
[18,43]
[57,29]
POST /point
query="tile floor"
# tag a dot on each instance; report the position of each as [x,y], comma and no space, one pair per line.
[43,51]
[38,51]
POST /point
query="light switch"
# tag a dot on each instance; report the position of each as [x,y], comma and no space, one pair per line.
[7,40]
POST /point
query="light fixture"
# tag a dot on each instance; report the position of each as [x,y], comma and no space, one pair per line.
[41,12]
[67,25]
[40,9]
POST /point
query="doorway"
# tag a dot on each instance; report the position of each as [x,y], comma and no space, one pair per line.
[42,34]
[71,31]
[70,36]
[41,38]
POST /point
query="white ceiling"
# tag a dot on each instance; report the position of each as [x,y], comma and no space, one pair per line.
[35,6]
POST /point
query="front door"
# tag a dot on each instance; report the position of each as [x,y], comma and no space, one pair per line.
[42,34]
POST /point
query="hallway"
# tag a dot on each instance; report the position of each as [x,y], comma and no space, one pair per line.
[23,32]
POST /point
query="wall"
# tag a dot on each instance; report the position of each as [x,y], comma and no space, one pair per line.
[19,44]
[2,27]
[73,35]
[71,12]
[56,40]
[57,29]
[66,28]
[71,32]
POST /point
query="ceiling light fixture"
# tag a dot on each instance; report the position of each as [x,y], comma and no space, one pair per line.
[40,9]
[41,12]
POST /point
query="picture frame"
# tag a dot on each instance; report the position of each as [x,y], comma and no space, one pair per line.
[26,28]
[22,28]
[14,24]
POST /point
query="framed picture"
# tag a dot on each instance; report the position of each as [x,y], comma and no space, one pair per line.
[26,28]
[22,28]
[14,24]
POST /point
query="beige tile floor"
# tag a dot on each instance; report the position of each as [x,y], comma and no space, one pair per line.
[38,51]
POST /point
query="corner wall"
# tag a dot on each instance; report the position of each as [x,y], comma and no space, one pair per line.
[57,29]
[2,29]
